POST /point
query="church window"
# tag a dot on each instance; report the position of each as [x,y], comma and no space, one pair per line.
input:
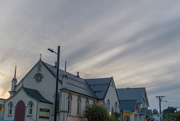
[30,108]
[78,106]
[69,104]
[108,106]
[1,108]
[115,107]
[87,102]
[10,106]
[38,77]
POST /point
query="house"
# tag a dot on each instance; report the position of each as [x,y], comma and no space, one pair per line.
[32,99]
[1,108]
[133,103]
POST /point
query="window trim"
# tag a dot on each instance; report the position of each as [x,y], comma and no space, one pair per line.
[87,102]
[10,109]
[79,106]
[30,108]
[108,106]
[69,104]
[115,107]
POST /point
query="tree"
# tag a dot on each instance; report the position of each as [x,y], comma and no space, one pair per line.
[155,112]
[96,113]
[116,116]
[169,110]
[170,114]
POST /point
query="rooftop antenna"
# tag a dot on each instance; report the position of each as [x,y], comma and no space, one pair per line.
[40,56]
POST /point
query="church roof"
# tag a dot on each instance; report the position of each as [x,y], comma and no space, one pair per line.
[99,86]
[36,95]
[131,94]
[75,84]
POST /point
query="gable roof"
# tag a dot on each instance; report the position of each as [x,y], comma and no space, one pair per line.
[36,95]
[99,86]
[131,94]
[128,105]
[75,84]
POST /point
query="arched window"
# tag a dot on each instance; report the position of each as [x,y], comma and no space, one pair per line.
[1,108]
[108,106]
[87,102]
[10,106]
[78,106]
[69,104]
[115,106]
[30,108]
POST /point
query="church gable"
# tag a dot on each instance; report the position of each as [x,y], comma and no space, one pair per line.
[111,98]
[41,79]
[33,102]
[11,104]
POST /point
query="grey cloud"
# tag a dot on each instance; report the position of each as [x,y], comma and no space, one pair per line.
[147,31]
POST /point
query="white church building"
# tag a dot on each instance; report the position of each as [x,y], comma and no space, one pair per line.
[32,99]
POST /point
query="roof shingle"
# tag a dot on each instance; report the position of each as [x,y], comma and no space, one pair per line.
[127,105]
[131,94]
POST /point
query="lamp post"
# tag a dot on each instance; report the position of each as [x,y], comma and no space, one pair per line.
[57,78]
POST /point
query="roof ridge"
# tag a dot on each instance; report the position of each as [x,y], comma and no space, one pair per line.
[99,78]
[132,88]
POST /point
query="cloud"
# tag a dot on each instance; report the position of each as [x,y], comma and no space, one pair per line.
[136,42]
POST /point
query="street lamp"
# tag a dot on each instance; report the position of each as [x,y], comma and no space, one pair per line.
[57,79]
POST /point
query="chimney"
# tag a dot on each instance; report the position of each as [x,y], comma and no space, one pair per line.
[55,64]
[78,74]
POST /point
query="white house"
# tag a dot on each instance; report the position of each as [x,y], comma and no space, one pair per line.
[133,103]
[32,99]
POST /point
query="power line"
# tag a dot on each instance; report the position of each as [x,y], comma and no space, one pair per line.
[173,102]
[173,98]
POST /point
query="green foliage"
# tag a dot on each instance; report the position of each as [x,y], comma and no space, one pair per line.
[111,118]
[116,116]
[169,110]
[155,111]
[96,113]
[170,114]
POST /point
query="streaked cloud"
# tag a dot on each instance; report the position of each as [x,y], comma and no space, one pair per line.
[136,42]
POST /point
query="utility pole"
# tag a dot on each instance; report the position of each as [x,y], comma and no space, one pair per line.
[160,100]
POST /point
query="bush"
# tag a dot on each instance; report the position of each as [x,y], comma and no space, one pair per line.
[111,118]
[96,113]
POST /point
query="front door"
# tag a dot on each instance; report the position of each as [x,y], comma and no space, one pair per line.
[20,111]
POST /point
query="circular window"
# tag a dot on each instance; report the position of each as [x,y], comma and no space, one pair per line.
[38,77]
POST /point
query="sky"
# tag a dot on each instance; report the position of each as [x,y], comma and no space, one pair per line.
[137,42]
